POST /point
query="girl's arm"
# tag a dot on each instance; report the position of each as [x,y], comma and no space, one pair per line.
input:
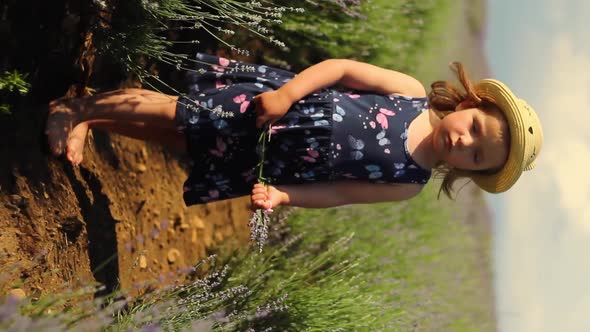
[329,194]
[272,105]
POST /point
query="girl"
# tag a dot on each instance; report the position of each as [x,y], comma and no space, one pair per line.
[342,132]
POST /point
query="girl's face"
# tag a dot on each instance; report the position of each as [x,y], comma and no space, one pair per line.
[472,140]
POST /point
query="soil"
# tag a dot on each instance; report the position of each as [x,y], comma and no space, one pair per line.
[118,218]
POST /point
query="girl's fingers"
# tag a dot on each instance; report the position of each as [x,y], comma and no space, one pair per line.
[260,204]
[260,199]
[263,204]
[259,190]
[257,197]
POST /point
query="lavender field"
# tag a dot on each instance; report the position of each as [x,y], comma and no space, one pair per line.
[422,265]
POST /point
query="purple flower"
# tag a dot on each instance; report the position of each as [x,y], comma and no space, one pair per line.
[259,227]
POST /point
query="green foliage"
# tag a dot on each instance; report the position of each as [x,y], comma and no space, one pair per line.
[12,83]
[414,260]
[389,32]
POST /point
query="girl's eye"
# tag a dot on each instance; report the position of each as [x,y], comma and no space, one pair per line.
[475,128]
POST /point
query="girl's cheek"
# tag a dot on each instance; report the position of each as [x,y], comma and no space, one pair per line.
[454,160]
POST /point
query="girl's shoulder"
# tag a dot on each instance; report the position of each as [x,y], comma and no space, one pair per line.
[407,98]
[412,88]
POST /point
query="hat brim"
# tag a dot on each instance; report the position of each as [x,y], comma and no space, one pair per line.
[512,108]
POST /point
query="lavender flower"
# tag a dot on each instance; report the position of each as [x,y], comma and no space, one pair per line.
[259,227]
[269,308]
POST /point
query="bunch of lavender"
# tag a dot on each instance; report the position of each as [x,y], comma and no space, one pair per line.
[260,219]
[164,30]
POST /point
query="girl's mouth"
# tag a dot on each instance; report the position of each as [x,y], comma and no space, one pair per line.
[448,143]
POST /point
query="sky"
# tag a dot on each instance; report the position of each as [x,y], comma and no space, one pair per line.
[541,50]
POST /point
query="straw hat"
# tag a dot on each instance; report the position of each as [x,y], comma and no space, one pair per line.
[526,136]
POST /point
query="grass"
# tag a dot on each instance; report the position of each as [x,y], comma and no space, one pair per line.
[414,259]
[390,33]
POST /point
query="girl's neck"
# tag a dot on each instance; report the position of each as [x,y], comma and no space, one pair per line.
[420,139]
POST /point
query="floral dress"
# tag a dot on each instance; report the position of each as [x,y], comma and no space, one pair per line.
[329,135]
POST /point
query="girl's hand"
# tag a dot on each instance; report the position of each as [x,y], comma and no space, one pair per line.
[265,197]
[270,107]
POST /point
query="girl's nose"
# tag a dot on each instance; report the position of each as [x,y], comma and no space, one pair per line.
[464,141]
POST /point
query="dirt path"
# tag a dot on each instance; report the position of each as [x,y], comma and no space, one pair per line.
[116,219]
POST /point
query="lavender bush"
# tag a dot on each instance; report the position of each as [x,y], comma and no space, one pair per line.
[152,29]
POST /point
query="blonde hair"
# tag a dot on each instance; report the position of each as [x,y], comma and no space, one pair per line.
[444,98]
